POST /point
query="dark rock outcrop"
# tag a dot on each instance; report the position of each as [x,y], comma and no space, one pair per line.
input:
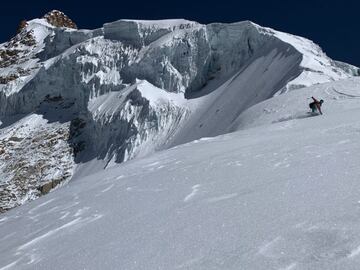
[21,26]
[59,19]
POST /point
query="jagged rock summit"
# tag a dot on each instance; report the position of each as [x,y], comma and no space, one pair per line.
[59,19]
[21,26]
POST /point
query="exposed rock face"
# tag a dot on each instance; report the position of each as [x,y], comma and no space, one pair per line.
[7,79]
[35,155]
[59,19]
[21,26]
[17,47]
[13,55]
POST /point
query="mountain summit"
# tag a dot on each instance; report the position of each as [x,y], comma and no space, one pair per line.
[175,145]
[92,98]
[59,19]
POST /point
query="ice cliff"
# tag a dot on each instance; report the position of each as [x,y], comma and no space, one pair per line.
[133,87]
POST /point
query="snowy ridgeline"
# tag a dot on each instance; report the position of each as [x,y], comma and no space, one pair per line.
[133,87]
[281,195]
[177,56]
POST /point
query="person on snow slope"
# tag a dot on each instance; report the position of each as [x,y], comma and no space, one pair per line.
[316,105]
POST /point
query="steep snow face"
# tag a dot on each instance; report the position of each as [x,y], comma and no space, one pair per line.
[260,79]
[133,87]
[175,55]
[341,95]
[317,67]
[277,196]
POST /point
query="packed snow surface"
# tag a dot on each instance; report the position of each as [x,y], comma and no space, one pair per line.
[282,194]
[75,102]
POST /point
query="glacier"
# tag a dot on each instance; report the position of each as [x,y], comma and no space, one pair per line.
[131,87]
[280,193]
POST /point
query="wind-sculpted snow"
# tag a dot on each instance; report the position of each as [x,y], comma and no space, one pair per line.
[316,66]
[135,87]
[277,196]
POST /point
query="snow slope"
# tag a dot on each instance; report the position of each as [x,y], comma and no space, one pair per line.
[131,88]
[338,96]
[276,196]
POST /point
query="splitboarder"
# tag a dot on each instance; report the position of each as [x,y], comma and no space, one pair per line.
[316,105]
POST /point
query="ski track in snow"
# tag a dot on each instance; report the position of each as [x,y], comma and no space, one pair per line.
[108,188]
[266,247]
[194,192]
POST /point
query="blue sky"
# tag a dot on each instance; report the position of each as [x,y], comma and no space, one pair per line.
[334,25]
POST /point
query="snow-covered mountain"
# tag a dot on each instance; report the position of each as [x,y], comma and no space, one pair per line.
[282,193]
[88,99]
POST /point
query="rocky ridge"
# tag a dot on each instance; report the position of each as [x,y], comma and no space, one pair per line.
[59,19]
